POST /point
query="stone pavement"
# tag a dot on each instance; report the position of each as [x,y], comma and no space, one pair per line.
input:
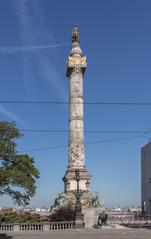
[84,234]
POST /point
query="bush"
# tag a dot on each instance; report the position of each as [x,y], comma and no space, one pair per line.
[62,214]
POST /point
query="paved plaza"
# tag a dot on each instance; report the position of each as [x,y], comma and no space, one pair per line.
[84,234]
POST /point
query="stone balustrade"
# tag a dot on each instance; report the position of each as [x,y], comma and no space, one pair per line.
[128,219]
[47,226]
[6,227]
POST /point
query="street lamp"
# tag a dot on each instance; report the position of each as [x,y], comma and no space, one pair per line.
[78,206]
[67,185]
[87,184]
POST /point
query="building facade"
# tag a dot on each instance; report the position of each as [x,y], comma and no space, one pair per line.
[146,179]
[76,66]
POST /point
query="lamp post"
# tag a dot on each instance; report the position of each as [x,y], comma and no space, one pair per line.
[87,184]
[78,207]
[67,185]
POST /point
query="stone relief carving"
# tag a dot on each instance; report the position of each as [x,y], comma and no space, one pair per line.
[76,155]
[77,110]
[76,87]
[78,124]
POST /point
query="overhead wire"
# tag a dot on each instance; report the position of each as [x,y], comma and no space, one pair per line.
[85,131]
[85,103]
[142,132]
[86,143]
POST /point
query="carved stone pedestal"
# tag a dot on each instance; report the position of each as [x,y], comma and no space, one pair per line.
[70,185]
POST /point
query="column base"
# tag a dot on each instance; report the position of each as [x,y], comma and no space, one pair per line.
[79,224]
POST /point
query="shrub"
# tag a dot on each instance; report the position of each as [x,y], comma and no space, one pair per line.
[62,214]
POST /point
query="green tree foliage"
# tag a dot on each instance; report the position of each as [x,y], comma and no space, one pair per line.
[17,171]
[11,216]
[62,214]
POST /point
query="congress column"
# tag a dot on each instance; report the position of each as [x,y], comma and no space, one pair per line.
[76,65]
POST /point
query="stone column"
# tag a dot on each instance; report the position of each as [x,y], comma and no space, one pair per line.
[76,157]
[76,65]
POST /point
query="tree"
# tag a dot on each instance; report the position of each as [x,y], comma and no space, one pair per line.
[12,216]
[17,171]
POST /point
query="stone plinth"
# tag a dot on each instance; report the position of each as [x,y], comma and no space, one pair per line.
[91,216]
[71,187]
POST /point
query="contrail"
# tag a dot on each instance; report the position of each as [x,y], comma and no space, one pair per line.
[11,50]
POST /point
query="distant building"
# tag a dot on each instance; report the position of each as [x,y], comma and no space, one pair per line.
[146,179]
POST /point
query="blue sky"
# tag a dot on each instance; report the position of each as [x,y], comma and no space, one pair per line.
[115,37]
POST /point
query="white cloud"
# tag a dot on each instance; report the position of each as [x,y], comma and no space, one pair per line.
[6,112]
[35,36]
[51,76]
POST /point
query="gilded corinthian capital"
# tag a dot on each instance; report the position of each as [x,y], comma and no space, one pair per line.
[76,60]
